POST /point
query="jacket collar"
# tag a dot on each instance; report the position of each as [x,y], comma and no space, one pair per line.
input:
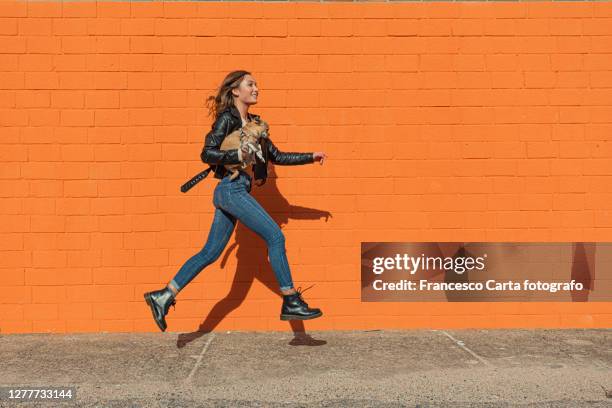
[234,111]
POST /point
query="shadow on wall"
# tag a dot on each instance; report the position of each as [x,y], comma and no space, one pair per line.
[583,269]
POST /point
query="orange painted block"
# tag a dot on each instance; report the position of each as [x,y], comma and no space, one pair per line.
[462,321]
[17,326]
[244,323]
[40,311]
[116,326]
[48,326]
[109,310]
[82,326]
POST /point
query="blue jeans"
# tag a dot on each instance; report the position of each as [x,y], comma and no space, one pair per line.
[233,201]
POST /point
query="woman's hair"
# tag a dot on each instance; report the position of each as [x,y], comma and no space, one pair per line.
[224,98]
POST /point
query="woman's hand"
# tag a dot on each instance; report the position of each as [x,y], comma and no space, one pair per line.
[319,156]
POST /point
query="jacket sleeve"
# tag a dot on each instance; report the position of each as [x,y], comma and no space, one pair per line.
[288,158]
[211,152]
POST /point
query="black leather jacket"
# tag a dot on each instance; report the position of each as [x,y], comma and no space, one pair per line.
[229,120]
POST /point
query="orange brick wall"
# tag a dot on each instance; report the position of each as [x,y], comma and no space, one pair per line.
[441,121]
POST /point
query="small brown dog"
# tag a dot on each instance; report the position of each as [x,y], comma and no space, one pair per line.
[247,137]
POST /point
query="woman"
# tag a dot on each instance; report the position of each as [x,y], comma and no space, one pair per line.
[233,201]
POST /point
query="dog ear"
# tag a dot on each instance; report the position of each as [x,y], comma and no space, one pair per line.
[266,131]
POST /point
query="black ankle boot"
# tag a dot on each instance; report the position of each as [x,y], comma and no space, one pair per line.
[294,308]
[160,301]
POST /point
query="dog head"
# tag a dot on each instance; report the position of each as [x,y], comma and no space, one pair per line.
[256,129]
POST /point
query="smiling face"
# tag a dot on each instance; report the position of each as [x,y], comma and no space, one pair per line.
[247,91]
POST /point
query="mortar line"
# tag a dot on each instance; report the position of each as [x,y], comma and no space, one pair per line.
[464,347]
[200,357]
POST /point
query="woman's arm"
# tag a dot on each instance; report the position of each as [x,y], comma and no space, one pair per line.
[288,158]
[211,152]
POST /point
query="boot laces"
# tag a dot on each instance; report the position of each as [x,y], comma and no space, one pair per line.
[299,292]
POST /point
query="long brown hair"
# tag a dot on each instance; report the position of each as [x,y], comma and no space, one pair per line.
[224,98]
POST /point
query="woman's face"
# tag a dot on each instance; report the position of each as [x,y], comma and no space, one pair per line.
[247,91]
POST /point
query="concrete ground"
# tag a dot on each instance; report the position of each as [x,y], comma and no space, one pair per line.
[387,368]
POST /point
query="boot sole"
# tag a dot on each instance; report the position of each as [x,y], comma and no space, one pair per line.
[147,298]
[296,317]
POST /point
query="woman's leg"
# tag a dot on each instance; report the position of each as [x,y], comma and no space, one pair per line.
[218,236]
[245,208]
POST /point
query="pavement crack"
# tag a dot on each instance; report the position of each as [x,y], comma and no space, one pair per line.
[464,347]
[199,358]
